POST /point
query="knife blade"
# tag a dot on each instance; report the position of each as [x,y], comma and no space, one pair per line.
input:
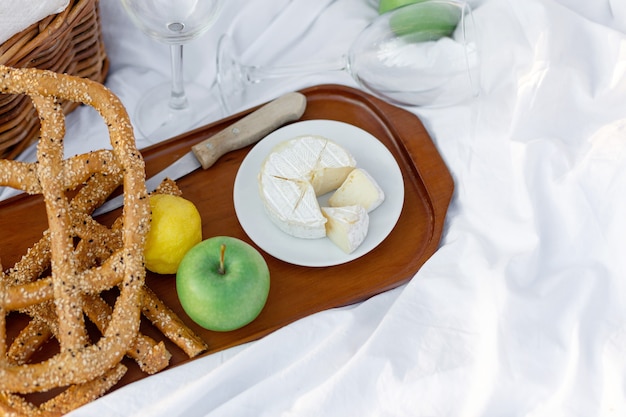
[244,132]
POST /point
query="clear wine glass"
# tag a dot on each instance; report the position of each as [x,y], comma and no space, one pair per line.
[421,54]
[170,108]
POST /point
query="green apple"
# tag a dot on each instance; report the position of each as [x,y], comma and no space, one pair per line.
[424,21]
[386,5]
[223,283]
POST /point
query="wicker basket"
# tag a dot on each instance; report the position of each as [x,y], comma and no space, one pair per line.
[69,42]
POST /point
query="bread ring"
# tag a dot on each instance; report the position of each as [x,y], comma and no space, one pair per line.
[59,280]
[77,363]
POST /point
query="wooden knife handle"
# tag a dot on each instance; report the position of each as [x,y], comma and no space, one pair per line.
[251,128]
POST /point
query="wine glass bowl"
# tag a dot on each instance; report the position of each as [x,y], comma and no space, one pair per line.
[172,22]
[422,54]
[170,108]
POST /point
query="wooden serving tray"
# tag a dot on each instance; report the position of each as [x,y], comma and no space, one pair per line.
[295,291]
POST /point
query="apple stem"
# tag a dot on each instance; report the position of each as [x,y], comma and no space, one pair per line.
[222,251]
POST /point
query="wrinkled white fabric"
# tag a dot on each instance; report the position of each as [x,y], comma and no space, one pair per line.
[16,16]
[521,311]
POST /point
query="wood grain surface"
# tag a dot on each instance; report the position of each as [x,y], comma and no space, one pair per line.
[296,291]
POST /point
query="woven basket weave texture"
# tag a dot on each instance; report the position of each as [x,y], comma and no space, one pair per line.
[69,42]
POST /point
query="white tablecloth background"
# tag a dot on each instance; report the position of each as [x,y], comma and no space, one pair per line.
[17,16]
[522,310]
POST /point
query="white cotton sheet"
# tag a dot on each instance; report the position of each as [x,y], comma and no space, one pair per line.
[16,16]
[521,311]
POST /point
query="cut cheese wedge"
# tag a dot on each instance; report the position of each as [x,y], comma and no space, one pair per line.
[358,188]
[294,174]
[346,226]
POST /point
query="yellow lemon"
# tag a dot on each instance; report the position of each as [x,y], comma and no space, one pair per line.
[175,228]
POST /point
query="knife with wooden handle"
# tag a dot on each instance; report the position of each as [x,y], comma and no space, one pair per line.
[244,132]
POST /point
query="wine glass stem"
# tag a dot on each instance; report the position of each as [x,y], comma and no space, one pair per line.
[255,74]
[178,98]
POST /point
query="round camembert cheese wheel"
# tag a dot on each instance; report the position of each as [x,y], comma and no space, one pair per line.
[294,174]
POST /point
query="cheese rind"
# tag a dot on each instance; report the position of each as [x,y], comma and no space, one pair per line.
[294,174]
[292,206]
[358,188]
[346,226]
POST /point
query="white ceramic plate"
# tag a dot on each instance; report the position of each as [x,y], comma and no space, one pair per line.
[369,153]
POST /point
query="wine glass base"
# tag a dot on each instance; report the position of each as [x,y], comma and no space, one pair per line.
[231,75]
[155,120]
